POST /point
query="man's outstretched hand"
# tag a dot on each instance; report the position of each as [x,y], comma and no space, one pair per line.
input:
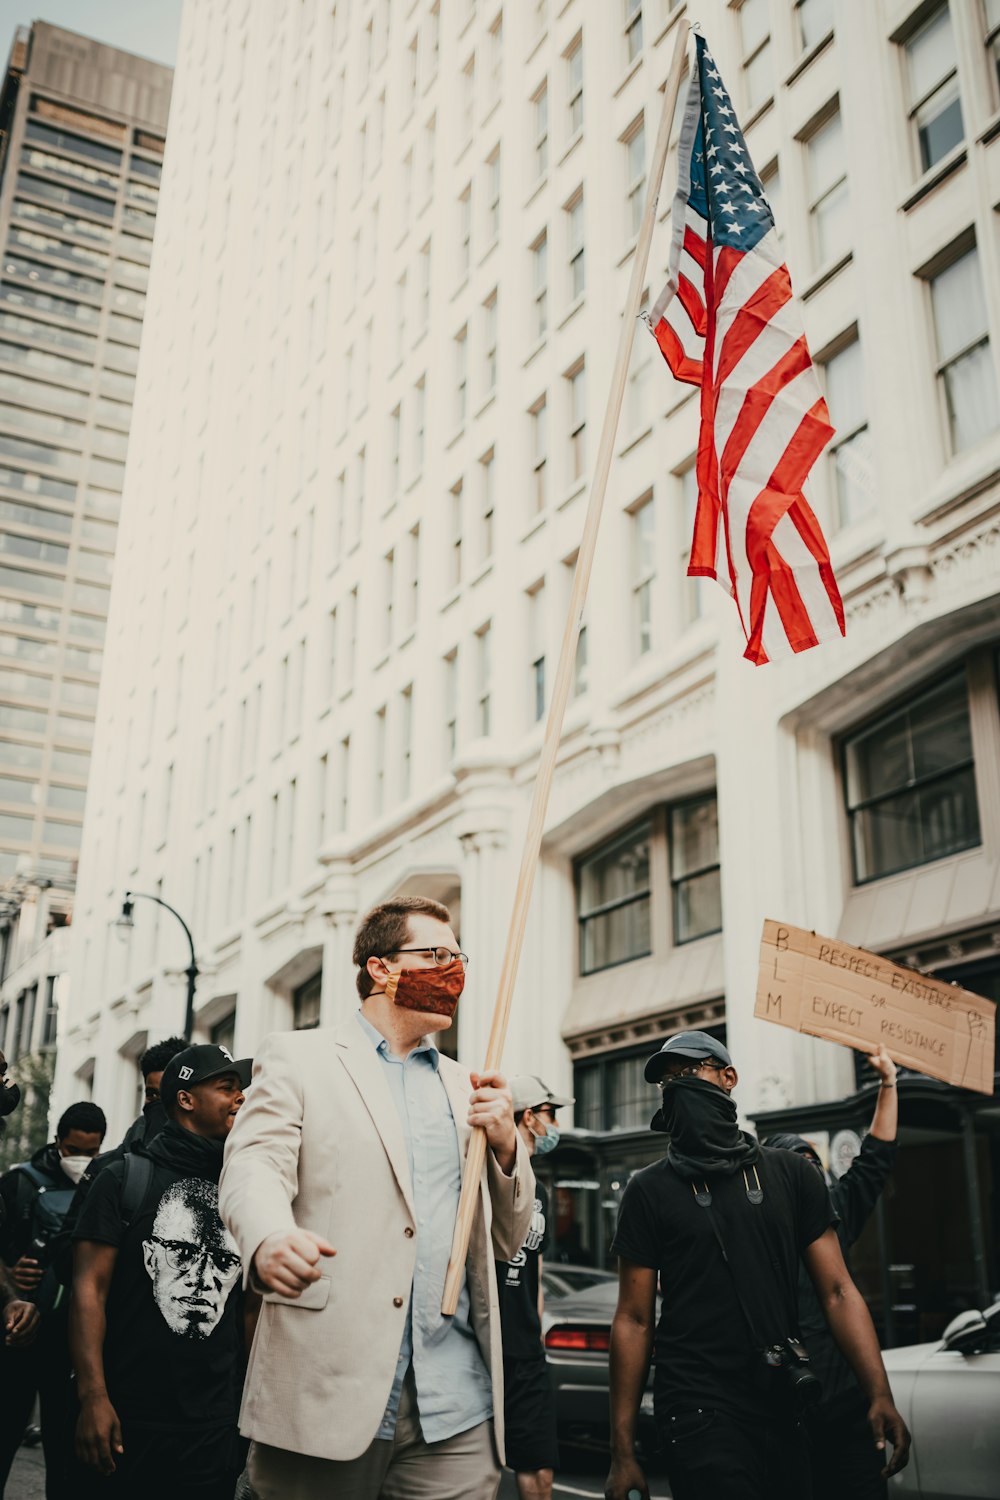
[888,1426]
[289,1260]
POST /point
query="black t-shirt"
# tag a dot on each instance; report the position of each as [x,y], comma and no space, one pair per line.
[173,1350]
[517,1283]
[703,1350]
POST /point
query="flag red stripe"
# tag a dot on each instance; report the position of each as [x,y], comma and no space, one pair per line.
[692,305]
[756,404]
[695,246]
[752,318]
[681,365]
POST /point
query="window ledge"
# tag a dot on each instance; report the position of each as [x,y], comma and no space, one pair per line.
[534,525]
[413,483]
[456,435]
[670,23]
[825,274]
[758,114]
[634,440]
[572,311]
[629,252]
[535,350]
[488,402]
[630,73]
[488,251]
[451,599]
[577,488]
[491,109]
[536,188]
[990,131]
[407,639]
[937,174]
[484,572]
[965,476]
[383,659]
[536,43]
[571,145]
[808,58]
[461,286]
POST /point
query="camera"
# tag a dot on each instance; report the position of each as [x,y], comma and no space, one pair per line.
[790,1360]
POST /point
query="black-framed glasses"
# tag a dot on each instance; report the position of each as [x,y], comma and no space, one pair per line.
[441,956]
[181,1254]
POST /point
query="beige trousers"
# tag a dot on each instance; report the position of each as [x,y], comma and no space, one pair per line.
[463,1467]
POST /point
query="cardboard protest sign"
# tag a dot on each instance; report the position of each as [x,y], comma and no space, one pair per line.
[848,995]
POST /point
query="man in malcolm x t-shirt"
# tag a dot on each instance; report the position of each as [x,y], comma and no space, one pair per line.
[529,1406]
[157,1328]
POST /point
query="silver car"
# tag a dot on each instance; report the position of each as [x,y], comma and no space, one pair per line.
[949,1395]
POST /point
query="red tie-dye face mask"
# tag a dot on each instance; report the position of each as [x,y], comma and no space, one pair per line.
[434,990]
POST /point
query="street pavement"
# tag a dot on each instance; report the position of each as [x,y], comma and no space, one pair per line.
[27,1480]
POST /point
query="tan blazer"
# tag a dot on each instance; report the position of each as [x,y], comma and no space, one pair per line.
[319,1145]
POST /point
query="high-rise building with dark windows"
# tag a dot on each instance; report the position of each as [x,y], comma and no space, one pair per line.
[82,129]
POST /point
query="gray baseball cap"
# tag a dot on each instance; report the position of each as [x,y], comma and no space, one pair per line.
[530,1092]
[693,1044]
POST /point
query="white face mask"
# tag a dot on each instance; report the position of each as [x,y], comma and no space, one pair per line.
[74,1166]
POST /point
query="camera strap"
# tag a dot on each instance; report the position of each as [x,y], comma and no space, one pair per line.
[703,1199]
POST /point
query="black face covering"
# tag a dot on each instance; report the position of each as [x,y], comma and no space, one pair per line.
[155,1117]
[10,1098]
[705,1140]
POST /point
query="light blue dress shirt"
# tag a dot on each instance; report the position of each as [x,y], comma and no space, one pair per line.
[454,1388]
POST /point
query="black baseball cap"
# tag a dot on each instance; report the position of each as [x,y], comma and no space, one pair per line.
[694,1044]
[198,1065]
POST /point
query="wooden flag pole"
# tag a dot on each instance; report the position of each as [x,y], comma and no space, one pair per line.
[563,678]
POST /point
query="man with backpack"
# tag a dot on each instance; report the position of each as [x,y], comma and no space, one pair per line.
[36,1196]
[156,1322]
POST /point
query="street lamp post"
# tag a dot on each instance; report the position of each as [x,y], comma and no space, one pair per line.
[126,923]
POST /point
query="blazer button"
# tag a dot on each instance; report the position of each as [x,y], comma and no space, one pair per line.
[408,1232]
[397,1301]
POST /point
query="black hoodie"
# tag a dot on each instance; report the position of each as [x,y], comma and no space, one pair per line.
[173,1351]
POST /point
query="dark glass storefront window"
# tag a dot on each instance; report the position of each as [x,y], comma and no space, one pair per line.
[305,1004]
[910,783]
[613,889]
[694,869]
[223,1033]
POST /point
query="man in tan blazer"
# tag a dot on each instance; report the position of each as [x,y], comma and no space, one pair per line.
[341,1184]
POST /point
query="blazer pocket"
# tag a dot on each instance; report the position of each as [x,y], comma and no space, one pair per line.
[315,1296]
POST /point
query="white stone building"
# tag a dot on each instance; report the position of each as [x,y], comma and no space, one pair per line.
[390,261]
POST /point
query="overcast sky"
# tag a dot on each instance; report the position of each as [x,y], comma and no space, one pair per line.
[148,27]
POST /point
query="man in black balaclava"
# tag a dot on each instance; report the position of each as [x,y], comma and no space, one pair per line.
[10,1094]
[721,1222]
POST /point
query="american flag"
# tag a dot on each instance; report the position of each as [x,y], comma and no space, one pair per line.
[727,321]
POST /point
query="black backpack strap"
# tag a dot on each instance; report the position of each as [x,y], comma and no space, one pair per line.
[137,1175]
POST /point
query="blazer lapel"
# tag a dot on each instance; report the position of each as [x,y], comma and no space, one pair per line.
[366,1068]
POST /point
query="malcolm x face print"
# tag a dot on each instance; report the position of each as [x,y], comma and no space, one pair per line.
[191,1258]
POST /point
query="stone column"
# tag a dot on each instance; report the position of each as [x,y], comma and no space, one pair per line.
[338,995]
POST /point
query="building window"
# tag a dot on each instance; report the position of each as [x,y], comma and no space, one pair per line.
[378,766]
[828,193]
[577,264]
[574,84]
[540,283]
[455,549]
[692,589]
[536,651]
[643,526]
[405,741]
[223,1032]
[965,361]
[581,677]
[419,424]
[468,97]
[633,29]
[496,58]
[484,674]
[932,77]
[465,230]
[755,47]
[305,1004]
[50,1021]
[992,8]
[388,572]
[815,22]
[694,869]
[343,782]
[849,455]
[487,466]
[490,342]
[613,901]
[493,198]
[770,181]
[540,450]
[395,447]
[635,174]
[400,319]
[577,379]
[424,310]
[461,374]
[450,696]
[541,145]
[910,784]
